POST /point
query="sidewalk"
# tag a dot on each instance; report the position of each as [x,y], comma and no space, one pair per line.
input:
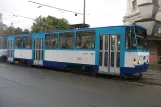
[152,77]
[155,66]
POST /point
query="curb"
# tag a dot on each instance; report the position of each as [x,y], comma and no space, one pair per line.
[154,68]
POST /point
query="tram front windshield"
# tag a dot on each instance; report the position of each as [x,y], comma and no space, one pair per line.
[141,36]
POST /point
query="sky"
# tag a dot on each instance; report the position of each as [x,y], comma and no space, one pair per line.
[99,13]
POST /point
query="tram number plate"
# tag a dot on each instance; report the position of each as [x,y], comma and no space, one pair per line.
[79,58]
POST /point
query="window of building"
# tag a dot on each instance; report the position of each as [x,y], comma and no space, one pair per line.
[67,40]
[27,42]
[85,39]
[18,42]
[51,40]
[134,4]
[130,39]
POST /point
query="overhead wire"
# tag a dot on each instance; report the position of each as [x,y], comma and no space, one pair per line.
[114,1]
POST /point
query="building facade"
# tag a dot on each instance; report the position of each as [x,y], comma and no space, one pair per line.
[147,13]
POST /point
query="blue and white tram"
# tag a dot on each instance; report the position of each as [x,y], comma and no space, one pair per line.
[116,50]
[3,48]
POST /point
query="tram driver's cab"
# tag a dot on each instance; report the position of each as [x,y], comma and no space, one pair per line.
[136,55]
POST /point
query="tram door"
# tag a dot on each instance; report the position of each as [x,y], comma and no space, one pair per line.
[10,50]
[38,51]
[109,54]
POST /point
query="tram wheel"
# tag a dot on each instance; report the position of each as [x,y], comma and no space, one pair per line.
[19,62]
[92,72]
[139,76]
[128,77]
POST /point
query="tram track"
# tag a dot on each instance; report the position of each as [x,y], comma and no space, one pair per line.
[142,81]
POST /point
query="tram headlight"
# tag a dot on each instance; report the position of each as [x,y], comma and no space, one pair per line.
[134,61]
[148,61]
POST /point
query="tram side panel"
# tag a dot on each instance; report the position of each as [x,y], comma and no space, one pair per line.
[23,55]
[3,54]
[16,53]
[64,57]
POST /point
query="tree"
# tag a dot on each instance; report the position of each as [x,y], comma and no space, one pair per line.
[12,31]
[26,31]
[9,31]
[18,30]
[1,32]
[49,23]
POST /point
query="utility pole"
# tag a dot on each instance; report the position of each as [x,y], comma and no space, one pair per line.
[84,13]
[65,10]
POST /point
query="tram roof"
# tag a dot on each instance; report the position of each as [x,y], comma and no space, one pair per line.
[83,29]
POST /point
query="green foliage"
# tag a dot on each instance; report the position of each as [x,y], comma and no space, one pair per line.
[18,31]
[13,31]
[49,23]
[41,24]
[7,32]
[1,32]
[26,31]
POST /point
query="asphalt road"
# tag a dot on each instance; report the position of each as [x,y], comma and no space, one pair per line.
[33,87]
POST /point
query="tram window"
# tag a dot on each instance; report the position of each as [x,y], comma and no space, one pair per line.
[118,59]
[0,43]
[51,40]
[3,43]
[18,42]
[106,59]
[113,42]
[133,40]
[100,58]
[67,40]
[86,39]
[130,38]
[118,42]
[27,42]
[101,42]
[106,42]
[112,59]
